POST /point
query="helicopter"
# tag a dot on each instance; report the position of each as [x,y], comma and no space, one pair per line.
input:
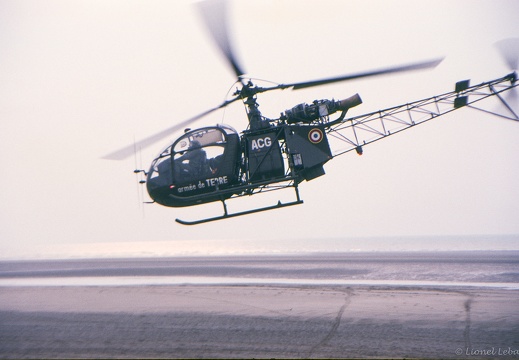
[217,163]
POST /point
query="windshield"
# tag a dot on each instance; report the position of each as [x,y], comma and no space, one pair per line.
[200,138]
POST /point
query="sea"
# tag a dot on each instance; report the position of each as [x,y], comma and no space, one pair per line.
[461,268]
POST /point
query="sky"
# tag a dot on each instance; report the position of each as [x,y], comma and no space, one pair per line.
[80,79]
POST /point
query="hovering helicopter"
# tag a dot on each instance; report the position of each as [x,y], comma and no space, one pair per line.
[217,163]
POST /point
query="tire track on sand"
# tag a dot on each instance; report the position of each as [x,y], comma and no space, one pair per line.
[335,324]
[466,333]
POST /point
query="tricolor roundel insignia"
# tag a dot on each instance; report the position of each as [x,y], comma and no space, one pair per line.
[315,136]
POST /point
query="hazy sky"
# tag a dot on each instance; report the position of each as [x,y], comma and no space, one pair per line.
[79,79]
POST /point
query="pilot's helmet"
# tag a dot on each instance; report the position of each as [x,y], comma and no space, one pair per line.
[195,144]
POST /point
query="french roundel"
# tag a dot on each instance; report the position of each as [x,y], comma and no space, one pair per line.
[315,136]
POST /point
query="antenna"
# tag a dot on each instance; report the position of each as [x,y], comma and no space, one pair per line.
[138,173]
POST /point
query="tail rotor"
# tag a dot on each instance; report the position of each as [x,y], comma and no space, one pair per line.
[509,51]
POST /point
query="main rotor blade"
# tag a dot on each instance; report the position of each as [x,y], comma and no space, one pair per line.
[415,66]
[509,49]
[129,150]
[214,14]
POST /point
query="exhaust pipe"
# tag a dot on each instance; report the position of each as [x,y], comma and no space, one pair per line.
[350,102]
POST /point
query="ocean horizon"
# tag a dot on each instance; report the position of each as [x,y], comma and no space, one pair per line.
[402,268]
[254,247]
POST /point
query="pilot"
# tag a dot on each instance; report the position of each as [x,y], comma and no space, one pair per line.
[194,162]
[214,164]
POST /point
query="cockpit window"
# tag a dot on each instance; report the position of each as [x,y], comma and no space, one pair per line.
[194,161]
[198,154]
[160,173]
[202,138]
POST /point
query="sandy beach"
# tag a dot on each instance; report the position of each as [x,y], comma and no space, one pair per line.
[347,305]
[267,321]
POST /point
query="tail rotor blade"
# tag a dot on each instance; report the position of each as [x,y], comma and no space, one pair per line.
[509,50]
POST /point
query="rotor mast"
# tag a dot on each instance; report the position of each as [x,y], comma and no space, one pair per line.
[248,94]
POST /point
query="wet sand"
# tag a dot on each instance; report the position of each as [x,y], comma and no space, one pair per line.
[258,321]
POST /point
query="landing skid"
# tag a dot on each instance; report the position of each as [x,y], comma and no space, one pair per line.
[226,215]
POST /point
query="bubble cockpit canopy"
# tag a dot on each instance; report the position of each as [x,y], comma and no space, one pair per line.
[200,161]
